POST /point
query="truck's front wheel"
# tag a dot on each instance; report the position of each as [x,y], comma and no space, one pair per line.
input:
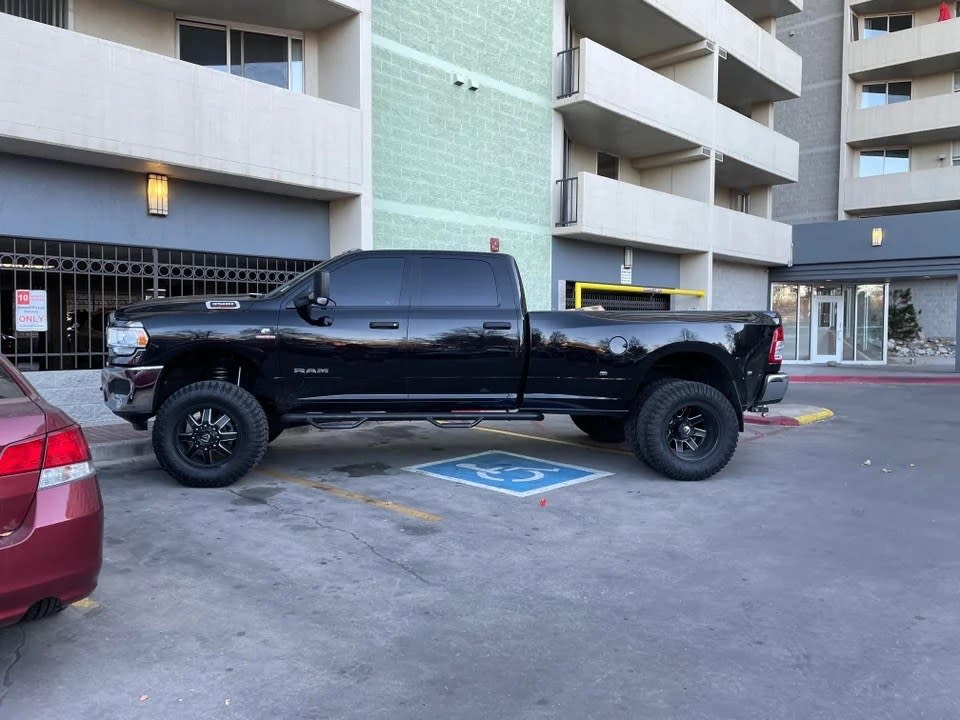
[684,430]
[210,434]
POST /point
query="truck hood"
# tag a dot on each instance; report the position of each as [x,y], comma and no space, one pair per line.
[193,304]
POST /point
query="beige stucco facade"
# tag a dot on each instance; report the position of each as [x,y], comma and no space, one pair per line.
[927,56]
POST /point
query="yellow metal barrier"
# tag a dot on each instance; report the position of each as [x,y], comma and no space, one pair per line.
[579,287]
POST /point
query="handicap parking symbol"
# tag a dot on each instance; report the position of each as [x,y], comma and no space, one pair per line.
[517,475]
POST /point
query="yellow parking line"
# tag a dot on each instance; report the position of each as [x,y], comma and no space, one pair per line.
[348,495]
[510,433]
[821,414]
[86,604]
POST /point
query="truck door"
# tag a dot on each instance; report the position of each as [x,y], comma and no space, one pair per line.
[355,355]
[465,343]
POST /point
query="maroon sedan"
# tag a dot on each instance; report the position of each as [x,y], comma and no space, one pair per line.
[51,514]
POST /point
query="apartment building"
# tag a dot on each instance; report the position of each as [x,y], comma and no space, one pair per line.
[154,148]
[173,147]
[666,151]
[880,131]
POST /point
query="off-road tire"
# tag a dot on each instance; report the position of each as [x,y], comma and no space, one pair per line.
[247,421]
[657,427]
[602,428]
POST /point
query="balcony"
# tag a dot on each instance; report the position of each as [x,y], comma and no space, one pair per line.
[614,104]
[923,50]
[916,122]
[919,191]
[297,14]
[758,67]
[759,9]
[869,7]
[607,211]
[129,109]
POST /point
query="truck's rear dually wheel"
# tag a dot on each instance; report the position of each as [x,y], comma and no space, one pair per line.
[210,434]
[684,430]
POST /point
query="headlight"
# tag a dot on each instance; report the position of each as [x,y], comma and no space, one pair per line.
[127,338]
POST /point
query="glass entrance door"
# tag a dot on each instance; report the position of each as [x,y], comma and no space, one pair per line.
[827,329]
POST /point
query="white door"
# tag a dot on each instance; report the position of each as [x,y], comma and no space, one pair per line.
[826,331]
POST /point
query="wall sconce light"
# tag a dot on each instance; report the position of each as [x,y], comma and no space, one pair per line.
[158,195]
[877,237]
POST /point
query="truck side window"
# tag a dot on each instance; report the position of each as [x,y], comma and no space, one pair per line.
[455,282]
[368,282]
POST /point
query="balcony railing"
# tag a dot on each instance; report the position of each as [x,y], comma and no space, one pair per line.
[568,201]
[568,64]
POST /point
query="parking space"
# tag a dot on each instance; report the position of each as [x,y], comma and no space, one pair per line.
[348,578]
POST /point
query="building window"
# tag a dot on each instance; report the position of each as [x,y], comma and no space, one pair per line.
[884,162]
[875,94]
[608,166]
[48,12]
[956,154]
[880,25]
[956,81]
[269,57]
[740,201]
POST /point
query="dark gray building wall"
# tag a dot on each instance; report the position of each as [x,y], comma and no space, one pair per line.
[915,244]
[55,200]
[593,262]
[813,119]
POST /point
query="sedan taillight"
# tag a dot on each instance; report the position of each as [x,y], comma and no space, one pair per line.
[67,458]
[22,457]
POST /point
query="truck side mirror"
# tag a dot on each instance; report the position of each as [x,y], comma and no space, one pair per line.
[321,288]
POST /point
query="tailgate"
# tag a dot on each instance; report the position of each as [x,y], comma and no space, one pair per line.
[20,419]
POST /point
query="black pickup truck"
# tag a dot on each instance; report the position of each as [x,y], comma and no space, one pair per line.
[437,336]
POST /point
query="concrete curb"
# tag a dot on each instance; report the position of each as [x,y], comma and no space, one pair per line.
[790,420]
[874,380]
[122,452]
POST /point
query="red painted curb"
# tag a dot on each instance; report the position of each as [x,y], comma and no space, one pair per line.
[873,380]
[771,420]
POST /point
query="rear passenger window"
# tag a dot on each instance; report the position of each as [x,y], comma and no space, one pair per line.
[454,282]
[368,282]
[8,388]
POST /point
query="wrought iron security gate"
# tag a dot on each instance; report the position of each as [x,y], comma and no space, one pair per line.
[85,282]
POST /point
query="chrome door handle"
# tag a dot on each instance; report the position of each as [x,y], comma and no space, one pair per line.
[384,325]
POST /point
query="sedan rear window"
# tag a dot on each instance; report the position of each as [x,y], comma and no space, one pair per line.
[8,388]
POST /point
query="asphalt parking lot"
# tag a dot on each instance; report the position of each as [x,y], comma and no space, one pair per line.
[798,583]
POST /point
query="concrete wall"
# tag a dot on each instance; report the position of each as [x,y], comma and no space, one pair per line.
[923,119]
[124,107]
[652,220]
[77,393]
[936,300]
[128,23]
[455,167]
[739,287]
[814,118]
[48,199]
[593,262]
[903,192]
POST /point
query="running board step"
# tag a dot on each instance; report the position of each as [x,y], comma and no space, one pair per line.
[448,421]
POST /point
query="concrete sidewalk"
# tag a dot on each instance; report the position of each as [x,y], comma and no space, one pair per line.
[932,374]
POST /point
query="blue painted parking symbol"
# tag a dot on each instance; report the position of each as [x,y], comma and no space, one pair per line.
[509,473]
